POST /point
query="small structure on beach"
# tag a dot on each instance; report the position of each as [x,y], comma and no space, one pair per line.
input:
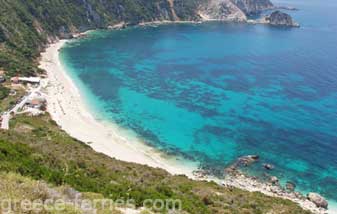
[31,80]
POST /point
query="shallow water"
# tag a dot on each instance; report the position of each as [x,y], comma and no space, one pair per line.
[213,92]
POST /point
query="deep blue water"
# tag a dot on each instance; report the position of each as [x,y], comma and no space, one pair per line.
[213,92]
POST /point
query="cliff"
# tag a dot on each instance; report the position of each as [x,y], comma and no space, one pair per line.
[222,10]
[233,10]
[251,7]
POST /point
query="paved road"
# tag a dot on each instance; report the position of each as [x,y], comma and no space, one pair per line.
[7,116]
[5,121]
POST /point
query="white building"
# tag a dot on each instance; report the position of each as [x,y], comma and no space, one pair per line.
[33,80]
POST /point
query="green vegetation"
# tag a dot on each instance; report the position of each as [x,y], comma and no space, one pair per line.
[36,148]
[4,92]
[17,188]
[8,101]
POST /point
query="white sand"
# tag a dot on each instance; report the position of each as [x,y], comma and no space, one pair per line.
[68,108]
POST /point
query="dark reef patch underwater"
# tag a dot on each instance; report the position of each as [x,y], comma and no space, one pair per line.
[216,91]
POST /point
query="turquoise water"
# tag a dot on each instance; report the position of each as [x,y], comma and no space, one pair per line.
[213,92]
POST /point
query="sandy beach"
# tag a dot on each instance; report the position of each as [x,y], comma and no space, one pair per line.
[70,111]
[68,108]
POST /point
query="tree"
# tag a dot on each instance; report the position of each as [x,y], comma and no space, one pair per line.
[2,36]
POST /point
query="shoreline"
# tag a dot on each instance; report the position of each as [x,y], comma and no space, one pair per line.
[70,111]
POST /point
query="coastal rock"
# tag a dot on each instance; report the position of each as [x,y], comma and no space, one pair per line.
[243,161]
[278,18]
[299,195]
[274,180]
[275,189]
[268,166]
[247,160]
[318,200]
[290,186]
[230,170]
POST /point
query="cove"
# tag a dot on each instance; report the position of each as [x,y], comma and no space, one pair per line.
[213,92]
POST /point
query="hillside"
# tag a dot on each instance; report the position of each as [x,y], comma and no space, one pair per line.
[26,26]
[36,148]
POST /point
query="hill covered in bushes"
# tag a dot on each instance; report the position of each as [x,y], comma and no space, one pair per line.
[26,26]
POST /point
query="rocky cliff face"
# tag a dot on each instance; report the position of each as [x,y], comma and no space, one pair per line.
[250,7]
[233,10]
[222,10]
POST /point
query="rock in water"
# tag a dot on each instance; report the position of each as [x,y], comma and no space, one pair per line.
[279,18]
[268,166]
[243,161]
[274,180]
[247,160]
[290,186]
[318,200]
[299,195]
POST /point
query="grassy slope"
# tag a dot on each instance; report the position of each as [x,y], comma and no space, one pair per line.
[6,100]
[16,188]
[35,147]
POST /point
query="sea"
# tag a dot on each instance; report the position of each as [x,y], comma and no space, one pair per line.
[215,91]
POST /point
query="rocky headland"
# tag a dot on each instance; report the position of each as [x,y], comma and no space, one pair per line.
[278,18]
